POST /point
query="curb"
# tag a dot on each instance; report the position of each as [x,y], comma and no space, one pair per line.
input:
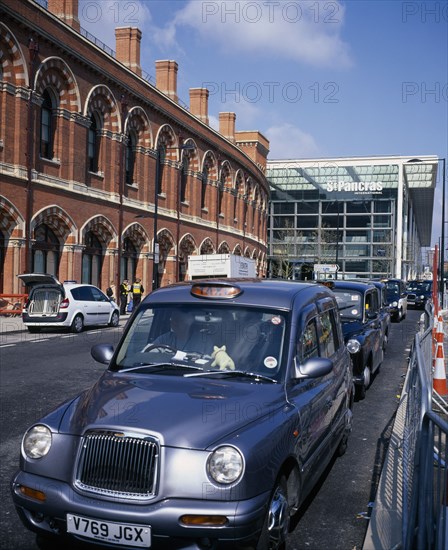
[18,322]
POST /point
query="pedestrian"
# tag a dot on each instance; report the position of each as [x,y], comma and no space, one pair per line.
[137,291]
[124,291]
[110,291]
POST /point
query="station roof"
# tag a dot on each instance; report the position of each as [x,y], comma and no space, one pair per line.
[419,175]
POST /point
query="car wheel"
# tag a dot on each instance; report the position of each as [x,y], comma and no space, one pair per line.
[276,523]
[33,329]
[361,390]
[114,320]
[77,324]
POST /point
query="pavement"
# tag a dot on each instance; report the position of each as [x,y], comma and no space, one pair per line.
[14,323]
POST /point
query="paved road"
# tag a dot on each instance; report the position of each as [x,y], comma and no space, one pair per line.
[38,371]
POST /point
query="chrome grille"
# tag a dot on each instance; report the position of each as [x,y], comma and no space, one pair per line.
[118,465]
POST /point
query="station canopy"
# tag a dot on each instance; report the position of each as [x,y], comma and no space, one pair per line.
[419,175]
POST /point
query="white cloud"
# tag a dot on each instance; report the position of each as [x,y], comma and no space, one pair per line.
[101,18]
[307,32]
[289,142]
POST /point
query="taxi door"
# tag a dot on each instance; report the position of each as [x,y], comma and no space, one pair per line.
[313,398]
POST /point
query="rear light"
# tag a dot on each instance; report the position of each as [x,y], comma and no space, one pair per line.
[64,304]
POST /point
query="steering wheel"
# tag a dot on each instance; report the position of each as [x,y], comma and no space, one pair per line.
[164,348]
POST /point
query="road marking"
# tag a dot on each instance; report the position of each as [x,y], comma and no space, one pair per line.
[39,341]
[6,345]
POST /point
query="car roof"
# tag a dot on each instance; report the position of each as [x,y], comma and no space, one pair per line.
[272,293]
[352,285]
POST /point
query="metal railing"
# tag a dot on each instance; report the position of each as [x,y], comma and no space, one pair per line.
[424,454]
[12,304]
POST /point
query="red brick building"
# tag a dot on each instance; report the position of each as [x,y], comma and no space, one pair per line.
[95,160]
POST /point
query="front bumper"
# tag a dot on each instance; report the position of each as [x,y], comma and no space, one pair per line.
[245,517]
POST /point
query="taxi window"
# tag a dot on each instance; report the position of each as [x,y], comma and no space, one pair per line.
[329,338]
[372,301]
[309,344]
[349,303]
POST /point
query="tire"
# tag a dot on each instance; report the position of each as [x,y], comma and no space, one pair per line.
[115,319]
[385,340]
[276,523]
[33,329]
[77,324]
[361,390]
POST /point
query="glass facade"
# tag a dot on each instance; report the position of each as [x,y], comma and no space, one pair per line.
[358,214]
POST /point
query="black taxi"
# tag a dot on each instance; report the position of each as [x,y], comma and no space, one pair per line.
[360,313]
[218,412]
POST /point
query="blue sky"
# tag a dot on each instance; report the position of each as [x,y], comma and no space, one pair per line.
[317,78]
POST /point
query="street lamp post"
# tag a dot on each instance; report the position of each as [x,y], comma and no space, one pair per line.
[122,175]
[442,247]
[156,249]
[218,203]
[337,243]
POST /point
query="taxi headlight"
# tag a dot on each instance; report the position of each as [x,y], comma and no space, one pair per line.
[225,465]
[353,346]
[37,441]
[422,297]
[395,304]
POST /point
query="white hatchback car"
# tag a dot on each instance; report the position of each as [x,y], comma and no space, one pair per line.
[69,304]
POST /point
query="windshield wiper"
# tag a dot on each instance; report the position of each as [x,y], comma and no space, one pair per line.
[237,373]
[160,366]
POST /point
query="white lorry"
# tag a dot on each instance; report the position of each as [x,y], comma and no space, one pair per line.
[212,266]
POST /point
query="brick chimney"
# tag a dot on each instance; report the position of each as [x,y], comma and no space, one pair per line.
[127,40]
[199,103]
[166,77]
[255,145]
[66,10]
[227,125]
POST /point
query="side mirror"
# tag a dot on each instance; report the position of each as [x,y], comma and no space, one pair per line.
[371,314]
[313,368]
[102,353]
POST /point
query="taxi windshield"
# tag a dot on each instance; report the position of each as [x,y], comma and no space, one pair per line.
[418,286]
[349,303]
[204,338]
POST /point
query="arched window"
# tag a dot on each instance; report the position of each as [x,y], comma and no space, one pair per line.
[128,260]
[221,183]
[204,187]
[235,201]
[45,250]
[46,126]
[131,143]
[93,144]
[92,260]
[183,179]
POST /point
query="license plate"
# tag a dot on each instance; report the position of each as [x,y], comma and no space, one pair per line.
[124,534]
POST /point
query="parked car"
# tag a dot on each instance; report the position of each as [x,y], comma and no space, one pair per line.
[397,298]
[70,305]
[359,310]
[384,311]
[419,293]
[210,437]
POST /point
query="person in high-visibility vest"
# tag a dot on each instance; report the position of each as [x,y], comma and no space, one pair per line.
[124,291]
[137,291]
